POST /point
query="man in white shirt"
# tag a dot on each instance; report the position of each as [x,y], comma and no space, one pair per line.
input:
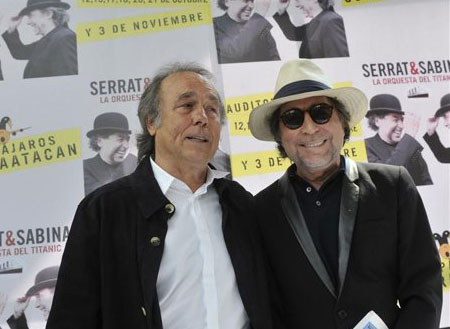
[172,245]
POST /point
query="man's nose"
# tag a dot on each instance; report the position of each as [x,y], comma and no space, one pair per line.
[309,126]
[199,116]
[125,143]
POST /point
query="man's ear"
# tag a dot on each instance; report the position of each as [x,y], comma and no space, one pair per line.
[99,141]
[151,128]
[377,121]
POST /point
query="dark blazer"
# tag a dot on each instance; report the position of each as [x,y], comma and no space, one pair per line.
[406,153]
[386,253]
[20,323]
[441,153]
[53,55]
[98,173]
[244,42]
[108,273]
[323,37]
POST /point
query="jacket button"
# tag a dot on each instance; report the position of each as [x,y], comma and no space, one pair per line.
[155,241]
[170,208]
[143,311]
[342,314]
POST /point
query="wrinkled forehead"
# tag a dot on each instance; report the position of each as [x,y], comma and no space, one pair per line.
[183,85]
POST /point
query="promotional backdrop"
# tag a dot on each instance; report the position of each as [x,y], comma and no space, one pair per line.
[59,116]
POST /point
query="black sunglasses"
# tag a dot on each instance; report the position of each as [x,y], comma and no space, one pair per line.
[319,113]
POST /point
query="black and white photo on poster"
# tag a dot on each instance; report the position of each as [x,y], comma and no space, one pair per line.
[246,31]
[110,139]
[53,49]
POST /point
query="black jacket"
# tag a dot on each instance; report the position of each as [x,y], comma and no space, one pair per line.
[441,153]
[97,172]
[386,253]
[108,273]
[406,153]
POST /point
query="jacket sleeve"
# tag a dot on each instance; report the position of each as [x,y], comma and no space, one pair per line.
[65,57]
[76,303]
[17,49]
[334,41]
[269,41]
[441,153]
[419,280]
[290,31]
[19,323]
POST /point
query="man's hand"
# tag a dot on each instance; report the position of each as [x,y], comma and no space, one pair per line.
[13,23]
[432,125]
[411,124]
[20,306]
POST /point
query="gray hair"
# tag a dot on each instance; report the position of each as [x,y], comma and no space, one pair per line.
[371,120]
[60,17]
[221,4]
[344,117]
[149,105]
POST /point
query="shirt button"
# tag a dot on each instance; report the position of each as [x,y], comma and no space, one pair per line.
[155,241]
[318,203]
[170,208]
[308,189]
[342,314]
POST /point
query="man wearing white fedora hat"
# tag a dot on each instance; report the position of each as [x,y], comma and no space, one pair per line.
[342,238]
[55,53]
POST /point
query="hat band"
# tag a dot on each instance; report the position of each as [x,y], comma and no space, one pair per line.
[300,87]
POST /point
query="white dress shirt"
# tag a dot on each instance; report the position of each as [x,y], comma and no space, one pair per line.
[196,282]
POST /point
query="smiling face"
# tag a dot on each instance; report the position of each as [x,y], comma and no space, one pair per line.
[189,131]
[390,127]
[114,148]
[240,10]
[40,21]
[315,148]
[44,299]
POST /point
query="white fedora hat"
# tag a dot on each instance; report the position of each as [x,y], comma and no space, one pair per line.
[299,79]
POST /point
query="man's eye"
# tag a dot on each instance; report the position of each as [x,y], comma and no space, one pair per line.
[213,108]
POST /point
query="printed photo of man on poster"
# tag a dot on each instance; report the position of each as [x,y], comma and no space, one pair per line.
[323,35]
[394,142]
[110,138]
[42,290]
[55,53]
[441,153]
[243,34]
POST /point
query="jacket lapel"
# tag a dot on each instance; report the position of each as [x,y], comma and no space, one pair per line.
[347,216]
[151,223]
[297,222]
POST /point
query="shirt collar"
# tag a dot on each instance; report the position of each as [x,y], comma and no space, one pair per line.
[166,180]
[292,173]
